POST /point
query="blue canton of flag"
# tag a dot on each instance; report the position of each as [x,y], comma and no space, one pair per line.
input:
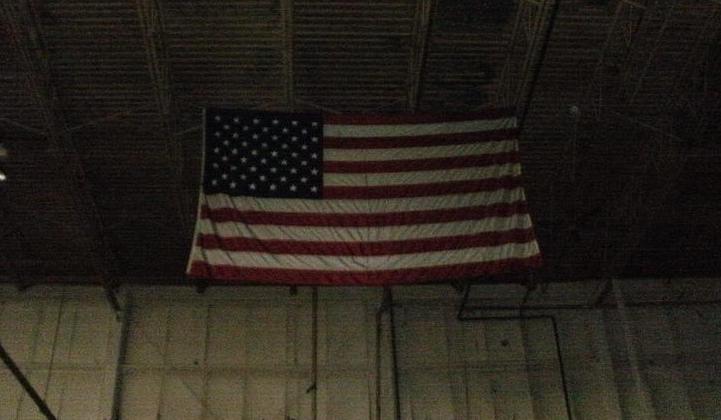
[263,154]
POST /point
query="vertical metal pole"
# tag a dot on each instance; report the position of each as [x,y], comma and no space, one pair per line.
[394,351]
[113,383]
[379,337]
[314,367]
[26,384]
[561,367]
[644,397]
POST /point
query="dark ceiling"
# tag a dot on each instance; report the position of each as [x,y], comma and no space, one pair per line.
[101,103]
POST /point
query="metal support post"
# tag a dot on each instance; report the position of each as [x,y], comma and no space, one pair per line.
[314,362]
[379,339]
[388,302]
[117,344]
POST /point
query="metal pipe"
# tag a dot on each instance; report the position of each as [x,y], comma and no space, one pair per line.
[124,318]
[379,337]
[388,296]
[27,386]
[563,307]
[314,368]
[561,367]
[464,305]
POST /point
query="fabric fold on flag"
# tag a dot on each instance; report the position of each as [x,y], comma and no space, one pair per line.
[306,199]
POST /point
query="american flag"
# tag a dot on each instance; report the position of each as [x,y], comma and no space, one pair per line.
[365,200]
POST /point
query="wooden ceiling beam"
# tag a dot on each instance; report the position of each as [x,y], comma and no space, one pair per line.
[152,25]
[421,35]
[23,28]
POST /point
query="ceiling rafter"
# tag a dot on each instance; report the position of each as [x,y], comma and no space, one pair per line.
[691,94]
[286,18]
[588,119]
[661,158]
[619,41]
[641,58]
[152,25]
[23,127]
[421,35]
[522,52]
[33,56]
[358,58]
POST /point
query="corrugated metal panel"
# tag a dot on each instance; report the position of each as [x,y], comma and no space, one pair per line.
[246,354]
[66,346]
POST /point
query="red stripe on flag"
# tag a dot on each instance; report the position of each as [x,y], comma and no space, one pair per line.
[236,244]
[236,275]
[223,215]
[422,190]
[412,165]
[419,141]
[488,114]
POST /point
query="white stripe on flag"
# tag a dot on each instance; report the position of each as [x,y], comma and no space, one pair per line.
[424,177]
[361,234]
[401,130]
[385,262]
[409,153]
[351,206]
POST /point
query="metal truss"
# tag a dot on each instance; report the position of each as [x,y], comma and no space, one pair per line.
[612,73]
[531,29]
[633,41]
[694,95]
[662,157]
[286,19]
[421,34]
[151,19]
[26,37]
